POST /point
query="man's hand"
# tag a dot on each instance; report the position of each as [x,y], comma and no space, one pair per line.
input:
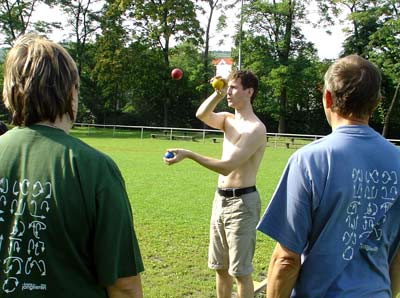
[179,155]
[206,113]
[220,85]
[126,287]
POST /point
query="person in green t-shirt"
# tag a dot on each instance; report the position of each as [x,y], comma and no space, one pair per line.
[66,224]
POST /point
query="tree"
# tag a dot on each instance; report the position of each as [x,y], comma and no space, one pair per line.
[157,24]
[191,88]
[274,26]
[110,71]
[213,6]
[362,16]
[385,131]
[16,18]
[383,50]
[373,34]
[83,17]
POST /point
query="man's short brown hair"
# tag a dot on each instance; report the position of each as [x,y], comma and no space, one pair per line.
[38,79]
[354,84]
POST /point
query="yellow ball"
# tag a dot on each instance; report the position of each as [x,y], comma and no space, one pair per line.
[217,83]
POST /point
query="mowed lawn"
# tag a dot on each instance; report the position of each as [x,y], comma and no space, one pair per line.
[171,209]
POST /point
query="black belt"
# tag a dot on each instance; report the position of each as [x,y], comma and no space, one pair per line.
[235,192]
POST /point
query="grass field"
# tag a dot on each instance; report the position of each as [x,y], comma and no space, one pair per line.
[171,209]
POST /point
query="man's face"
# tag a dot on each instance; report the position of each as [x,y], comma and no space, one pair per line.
[236,95]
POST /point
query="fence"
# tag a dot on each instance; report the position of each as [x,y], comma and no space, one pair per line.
[191,134]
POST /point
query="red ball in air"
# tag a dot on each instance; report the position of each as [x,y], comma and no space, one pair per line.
[176,74]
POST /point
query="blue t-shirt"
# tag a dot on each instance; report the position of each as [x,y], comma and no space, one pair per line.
[337,205]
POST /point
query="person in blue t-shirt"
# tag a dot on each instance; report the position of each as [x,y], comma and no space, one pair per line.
[335,212]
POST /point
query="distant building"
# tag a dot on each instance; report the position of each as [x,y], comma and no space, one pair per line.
[223,66]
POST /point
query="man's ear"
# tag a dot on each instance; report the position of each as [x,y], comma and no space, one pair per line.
[250,91]
[376,105]
[327,99]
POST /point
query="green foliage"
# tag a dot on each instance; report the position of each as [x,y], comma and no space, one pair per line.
[384,47]
[286,65]
[91,103]
[374,34]
[275,37]
[383,50]
[83,18]
[15,18]
[3,111]
[305,107]
[186,56]
[157,23]
[125,69]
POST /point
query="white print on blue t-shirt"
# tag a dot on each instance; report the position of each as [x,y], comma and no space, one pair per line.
[374,193]
[23,260]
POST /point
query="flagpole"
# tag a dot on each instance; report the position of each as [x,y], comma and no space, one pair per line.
[240,36]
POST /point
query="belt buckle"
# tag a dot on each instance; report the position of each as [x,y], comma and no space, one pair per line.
[234,192]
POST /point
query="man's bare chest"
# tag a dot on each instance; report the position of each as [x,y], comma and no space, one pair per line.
[234,133]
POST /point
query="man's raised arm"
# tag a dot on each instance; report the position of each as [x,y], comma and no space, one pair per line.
[206,112]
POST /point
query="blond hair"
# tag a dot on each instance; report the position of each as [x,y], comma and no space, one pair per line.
[39,77]
[354,84]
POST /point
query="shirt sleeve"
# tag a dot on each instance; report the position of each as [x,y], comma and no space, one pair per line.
[287,218]
[116,249]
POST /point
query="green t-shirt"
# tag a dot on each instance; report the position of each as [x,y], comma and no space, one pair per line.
[66,226]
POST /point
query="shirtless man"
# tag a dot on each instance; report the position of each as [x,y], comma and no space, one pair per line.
[236,207]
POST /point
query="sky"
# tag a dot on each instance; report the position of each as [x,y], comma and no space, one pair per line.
[328,46]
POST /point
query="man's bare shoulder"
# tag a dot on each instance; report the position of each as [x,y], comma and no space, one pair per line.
[258,127]
[258,132]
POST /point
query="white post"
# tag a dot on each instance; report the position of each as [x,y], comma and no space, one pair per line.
[240,36]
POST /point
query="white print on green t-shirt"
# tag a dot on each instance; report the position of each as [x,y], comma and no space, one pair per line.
[25,204]
[31,286]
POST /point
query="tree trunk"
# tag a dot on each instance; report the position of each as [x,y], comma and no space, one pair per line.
[166,92]
[284,60]
[165,108]
[385,130]
[282,111]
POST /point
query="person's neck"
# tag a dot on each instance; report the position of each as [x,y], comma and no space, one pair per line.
[338,120]
[63,123]
[244,112]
